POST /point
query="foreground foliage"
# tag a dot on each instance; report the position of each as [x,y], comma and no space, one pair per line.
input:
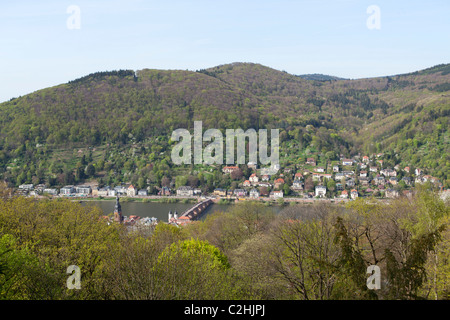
[305,252]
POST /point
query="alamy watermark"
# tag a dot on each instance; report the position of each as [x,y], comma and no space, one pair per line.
[73,22]
[213,153]
[373,22]
[74,281]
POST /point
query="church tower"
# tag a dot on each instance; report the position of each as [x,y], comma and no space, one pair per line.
[118,211]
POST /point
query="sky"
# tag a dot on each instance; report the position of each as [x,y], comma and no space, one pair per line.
[46,43]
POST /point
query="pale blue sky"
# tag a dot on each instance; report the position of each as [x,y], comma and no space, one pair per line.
[37,50]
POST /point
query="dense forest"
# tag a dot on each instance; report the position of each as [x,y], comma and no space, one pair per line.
[315,252]
[121,121]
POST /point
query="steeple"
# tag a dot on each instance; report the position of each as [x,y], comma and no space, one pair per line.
[118,211]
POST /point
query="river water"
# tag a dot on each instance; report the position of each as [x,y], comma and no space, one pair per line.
[157,209]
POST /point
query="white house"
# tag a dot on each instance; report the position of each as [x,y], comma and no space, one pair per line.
[185,191]
[320,191]
[254,193]
[67,190]
[276,194]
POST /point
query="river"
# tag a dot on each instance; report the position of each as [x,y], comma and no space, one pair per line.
[157,209]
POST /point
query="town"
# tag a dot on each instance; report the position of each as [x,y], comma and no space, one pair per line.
[343,180]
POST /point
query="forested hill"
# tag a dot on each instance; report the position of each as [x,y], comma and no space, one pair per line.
[403,114]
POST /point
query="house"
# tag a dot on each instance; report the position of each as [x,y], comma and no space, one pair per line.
[365,159]
[247,183]
[407,180]
[131,191]
[406,169]
[185,191]
[265,177]
[197,192]
[120,190]
[350,183]
[393,181]
[265,184]
[348,174]
[391,193]
[240,193]
[338,176]
[364,181]
[165,191]
[83,190]
[373,169]
[278,183]
[379,180]
[339,186]
[298,176]
[102,192]
[112,193]
[354,194]
[418,171]
[254,193]
[344,194]
[335,168]
[67,190]
[311,161]
[320,191]
[363,174]
[276,194]
[229,169]
[363,165]
[143,192]
[51,191]
[26,187]
[220,192]
[253,179]
[320,169]
[347,162]
[297,185]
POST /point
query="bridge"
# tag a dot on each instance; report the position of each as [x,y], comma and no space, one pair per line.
[196,210]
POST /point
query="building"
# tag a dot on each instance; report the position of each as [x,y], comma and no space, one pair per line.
[220,192]
[320,191]
[391,193]
[185,191]
[120,190]
[347,162]
[354,194]
[143,192]
[311,161]
[26,187]
[67,190]
[344,194]
[276,194]
[320,169]
[229,169]
[365,159]
[131,191]
[247,183]
[278,183]
[103,192]
[253,179]
[83,190]
[254,193]
[297,185]
[240,193]
[51,191]
[335,168]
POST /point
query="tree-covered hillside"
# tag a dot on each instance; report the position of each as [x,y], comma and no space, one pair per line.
[115,112]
